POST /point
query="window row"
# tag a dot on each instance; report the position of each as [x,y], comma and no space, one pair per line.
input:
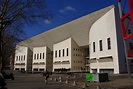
[77,61]
[101,45]
[78,55]
[63,51]
[39,56]
[20,58]
[77,49]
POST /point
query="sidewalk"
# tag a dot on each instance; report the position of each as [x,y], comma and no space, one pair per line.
[115,81]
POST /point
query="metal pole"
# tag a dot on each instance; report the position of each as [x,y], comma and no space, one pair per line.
[124,41]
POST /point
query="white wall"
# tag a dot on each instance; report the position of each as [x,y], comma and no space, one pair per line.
[21,54]
[60,46]
[102,29]
[42,59]
[39,58]
[75,56]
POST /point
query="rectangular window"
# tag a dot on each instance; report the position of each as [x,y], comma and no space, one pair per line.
[40,55]
[67,52]
[109,43]
[43,55]
[55,53]
[35,56]
[59,53]
[63,53]
[19,58]
[100,44]
[94,47]
[24,57]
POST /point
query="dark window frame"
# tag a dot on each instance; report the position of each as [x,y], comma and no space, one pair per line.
[67,52]
[100,45]
[109,43]
[94,47]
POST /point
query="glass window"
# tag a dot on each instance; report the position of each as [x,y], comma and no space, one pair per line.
[100,44]
[109,43]
[59,53]
[43,55]
[40,55]
[55,53]
[19,58]
[37,56]
[67,51]
[34,56]
[63,53]
[24,57]
[94,47]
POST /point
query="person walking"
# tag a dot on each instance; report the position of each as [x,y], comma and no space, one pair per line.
[46,75]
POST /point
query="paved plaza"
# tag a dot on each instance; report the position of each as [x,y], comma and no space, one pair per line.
[64,81]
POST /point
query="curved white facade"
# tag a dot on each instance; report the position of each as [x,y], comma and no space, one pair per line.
[107,59]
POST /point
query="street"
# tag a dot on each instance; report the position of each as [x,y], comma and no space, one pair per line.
[34,81]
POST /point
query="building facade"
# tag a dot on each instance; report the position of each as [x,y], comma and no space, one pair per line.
[42,59]
[23,59]
[106,45]
[68,56]
[92,42]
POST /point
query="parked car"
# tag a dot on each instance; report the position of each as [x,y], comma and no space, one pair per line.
[7,74]
[2,82]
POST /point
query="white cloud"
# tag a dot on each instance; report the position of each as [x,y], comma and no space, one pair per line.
[47,21]
[68,8]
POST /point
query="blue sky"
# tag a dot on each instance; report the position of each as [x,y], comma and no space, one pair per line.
[67,10]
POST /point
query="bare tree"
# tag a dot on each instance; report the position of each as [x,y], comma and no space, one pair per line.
[15,14]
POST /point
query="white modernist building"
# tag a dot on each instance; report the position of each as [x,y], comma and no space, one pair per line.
[23,58]
[42,59]
[92,42]
[68,56]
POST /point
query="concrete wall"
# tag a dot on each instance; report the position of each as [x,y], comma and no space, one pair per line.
[102,29]
[57,61]
[42,59]
[21,55]
[77,57]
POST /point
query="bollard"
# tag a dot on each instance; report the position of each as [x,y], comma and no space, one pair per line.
[55,79]
[84,86]
[67,81]
[98,87]
[60,79]
[74,83]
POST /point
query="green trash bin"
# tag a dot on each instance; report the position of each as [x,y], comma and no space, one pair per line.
[89,77]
